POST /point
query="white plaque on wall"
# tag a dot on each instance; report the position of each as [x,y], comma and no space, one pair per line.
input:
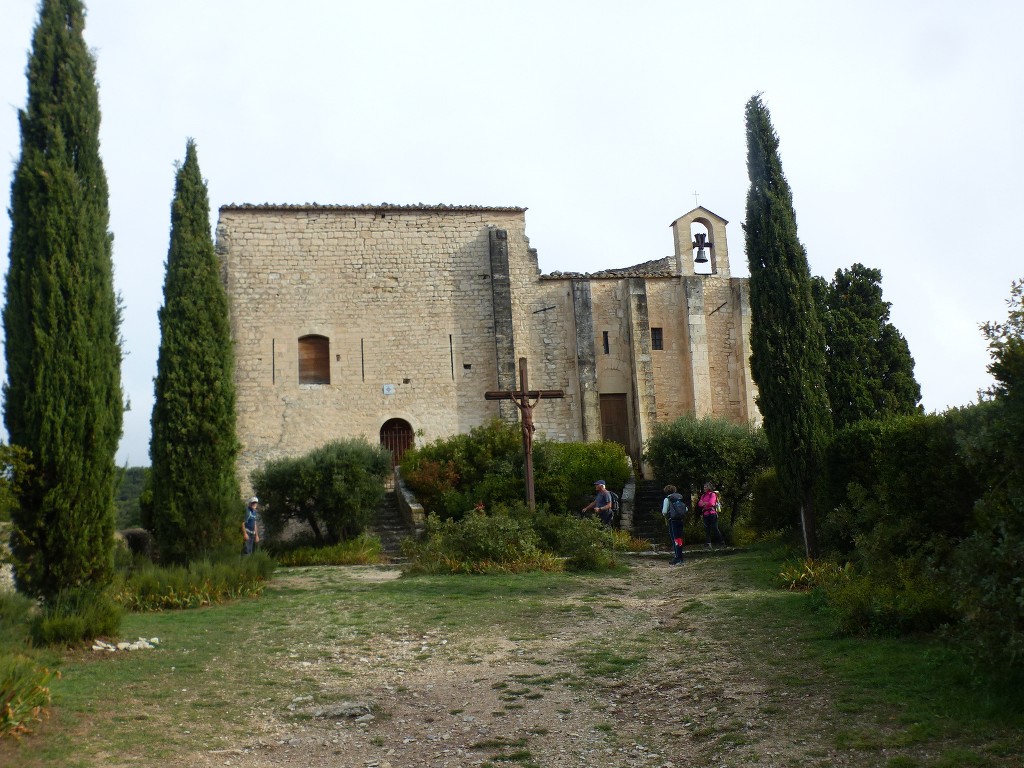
[389,389]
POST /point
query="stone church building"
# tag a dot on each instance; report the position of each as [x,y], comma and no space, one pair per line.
[392,322]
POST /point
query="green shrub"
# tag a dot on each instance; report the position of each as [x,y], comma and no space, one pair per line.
[24,692]
[624,541]
[865,604]
[894,485]
[584,542]
[335,490]
[485,469]
[15,618]
[691,451]
[478,543]
[772,510]
[805,575]
[76,615]
[155,588]
[564,473]
[362,550]
[990,596]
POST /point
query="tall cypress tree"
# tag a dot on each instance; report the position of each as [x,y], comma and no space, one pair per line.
[787,344]
[62,398]
[870,371]
[196,507]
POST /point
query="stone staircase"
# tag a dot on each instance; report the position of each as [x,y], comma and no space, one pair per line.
[647,520]
[390,527]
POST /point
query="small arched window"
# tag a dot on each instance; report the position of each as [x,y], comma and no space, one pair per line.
[314,359]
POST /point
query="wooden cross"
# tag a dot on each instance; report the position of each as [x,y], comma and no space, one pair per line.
[521,399]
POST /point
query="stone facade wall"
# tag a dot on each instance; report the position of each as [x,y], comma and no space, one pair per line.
[426,308]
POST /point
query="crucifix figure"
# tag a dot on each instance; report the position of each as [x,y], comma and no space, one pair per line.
[521,399]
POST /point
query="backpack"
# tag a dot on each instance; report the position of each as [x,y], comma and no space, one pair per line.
[615,502]
[677,508]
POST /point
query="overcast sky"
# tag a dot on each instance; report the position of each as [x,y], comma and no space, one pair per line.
[899,123]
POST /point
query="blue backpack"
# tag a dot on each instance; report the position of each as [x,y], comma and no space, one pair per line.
[677,508]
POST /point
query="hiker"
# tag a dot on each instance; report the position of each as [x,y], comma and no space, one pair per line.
[674,509]
[709,506]
[250,528]
[602,503]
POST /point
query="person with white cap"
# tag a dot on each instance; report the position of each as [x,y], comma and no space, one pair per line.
[250,528]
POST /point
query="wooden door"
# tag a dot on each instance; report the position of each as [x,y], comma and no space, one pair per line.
[615,420]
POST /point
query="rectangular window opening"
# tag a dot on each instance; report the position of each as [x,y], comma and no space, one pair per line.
[605,337]
[657,339]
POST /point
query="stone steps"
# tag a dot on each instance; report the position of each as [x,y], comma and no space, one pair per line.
[389,526]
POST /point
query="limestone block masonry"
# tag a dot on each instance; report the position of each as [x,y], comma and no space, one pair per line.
[354,321]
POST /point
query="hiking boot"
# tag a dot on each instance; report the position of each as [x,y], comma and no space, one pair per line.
[676,562]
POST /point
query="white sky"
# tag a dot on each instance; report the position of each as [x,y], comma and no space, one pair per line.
[900,128]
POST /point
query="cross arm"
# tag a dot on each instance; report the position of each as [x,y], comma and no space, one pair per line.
[533,394]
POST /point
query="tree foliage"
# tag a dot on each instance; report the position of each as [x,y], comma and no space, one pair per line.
[689,452]
[870,373]
[334,490]
[787,343]
[991,594]
[62,398]
[486,467]
[193,446]
[133,482]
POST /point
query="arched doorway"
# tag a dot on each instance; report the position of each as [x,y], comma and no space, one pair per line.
[396,435]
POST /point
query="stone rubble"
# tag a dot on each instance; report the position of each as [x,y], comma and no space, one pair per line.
[142,644]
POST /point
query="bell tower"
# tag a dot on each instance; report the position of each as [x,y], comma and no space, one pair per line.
[700,244]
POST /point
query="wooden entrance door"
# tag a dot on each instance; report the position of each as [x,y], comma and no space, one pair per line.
[615,420]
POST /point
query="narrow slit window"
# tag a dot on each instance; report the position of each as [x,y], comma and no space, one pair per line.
[657,339]
[605,341]
[314,360]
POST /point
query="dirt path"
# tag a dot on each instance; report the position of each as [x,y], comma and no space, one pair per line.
[595,695]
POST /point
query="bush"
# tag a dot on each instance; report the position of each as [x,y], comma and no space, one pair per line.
[990,596]
[335,490]
[362,550]
[627,542]
[24,692]
[76,615]
[485,468]
[811,574]
[564,473]
[772,511]
[864,604]
[894,485]
[479,543]
[155,588]
[689,452]
[15,617]
[584,542]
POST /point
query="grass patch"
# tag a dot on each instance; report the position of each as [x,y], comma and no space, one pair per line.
[316,629]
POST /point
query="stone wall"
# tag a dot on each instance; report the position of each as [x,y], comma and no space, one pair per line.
[426,308]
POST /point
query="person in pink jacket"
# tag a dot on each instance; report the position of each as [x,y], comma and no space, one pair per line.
[708,507]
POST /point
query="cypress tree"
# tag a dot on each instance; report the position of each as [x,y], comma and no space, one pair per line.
[196,507]
[62,397]
[870,371]
[787,345]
